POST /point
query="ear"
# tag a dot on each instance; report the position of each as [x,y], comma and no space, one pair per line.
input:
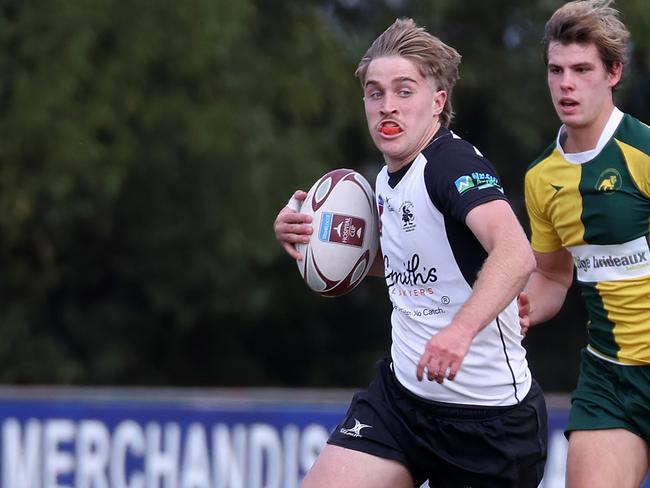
[439,100]
[614,75]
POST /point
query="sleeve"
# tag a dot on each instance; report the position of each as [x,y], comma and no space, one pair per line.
[543,237]
[638,164]
[634,143]
[460,179]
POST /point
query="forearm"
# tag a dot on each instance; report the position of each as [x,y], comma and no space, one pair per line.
[508,265]
[546,297]
[502,277]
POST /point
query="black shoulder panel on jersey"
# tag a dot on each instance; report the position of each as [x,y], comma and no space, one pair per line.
[458,178]
[468,251]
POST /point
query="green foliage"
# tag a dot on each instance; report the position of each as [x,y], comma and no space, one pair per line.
[147,147]
[146,150]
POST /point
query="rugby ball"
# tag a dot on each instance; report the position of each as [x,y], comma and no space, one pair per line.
[343,246]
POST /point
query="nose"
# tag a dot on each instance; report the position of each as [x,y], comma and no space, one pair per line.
[388,105]
[566,81]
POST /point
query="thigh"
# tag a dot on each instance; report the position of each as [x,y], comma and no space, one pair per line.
[338,467]
[606,458]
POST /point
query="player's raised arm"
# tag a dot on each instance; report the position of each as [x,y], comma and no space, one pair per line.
[292,227]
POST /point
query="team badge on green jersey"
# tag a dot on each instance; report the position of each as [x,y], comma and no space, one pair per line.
[609,181]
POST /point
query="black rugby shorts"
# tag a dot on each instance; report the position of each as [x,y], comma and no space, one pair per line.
[452,446]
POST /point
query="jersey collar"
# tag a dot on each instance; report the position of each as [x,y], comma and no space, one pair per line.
[582,157]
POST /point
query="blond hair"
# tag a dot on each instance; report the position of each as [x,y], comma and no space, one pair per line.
[590,21]
[433,57]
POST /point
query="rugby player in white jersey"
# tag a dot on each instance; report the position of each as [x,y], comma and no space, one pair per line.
[455,404]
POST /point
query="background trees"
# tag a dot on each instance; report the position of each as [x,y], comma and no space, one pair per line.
[146,148]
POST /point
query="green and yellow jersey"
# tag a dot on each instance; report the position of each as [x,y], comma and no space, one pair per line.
[596,204]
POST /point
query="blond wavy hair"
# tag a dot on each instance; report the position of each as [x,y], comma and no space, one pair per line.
[433,57]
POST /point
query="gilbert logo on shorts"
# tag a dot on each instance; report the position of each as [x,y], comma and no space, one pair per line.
[356,430]
[341,229]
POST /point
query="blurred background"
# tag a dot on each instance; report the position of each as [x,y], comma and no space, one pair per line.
[146,148]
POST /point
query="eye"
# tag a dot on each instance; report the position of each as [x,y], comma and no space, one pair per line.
[374,95]
[405,92]
[554,70]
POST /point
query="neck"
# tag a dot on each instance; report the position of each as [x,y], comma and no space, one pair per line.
[395,164]
[585,138]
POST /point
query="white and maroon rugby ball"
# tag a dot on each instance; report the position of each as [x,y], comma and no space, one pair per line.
[346,237]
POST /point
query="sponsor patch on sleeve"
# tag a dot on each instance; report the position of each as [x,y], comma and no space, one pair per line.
[477,181]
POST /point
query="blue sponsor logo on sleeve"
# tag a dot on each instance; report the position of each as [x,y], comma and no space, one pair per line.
[464,183]
[478,181]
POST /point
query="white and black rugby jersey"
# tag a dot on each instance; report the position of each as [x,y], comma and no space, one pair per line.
[431,260]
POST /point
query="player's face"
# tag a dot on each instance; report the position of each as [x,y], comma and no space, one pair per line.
[402,108]
[580,86]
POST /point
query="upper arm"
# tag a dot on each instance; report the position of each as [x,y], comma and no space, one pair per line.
[495,223]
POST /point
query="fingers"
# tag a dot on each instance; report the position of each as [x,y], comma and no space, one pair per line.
[291,228]
[288,217]
[295,202]
[523,303]
[419,373]
[453,370]
[293,232]
[437,374]
[292,251]
[437,370]
[443,355]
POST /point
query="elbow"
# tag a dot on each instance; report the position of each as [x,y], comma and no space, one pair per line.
[529,264]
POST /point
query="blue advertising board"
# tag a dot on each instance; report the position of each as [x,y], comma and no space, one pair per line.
[53,438]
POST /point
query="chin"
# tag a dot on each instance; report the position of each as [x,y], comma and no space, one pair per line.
[570,120]
[574,122]
[388,147]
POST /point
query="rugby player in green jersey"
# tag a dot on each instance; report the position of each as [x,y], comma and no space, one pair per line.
[588,200]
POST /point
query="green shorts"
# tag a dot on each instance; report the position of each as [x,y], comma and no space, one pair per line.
[611,396]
